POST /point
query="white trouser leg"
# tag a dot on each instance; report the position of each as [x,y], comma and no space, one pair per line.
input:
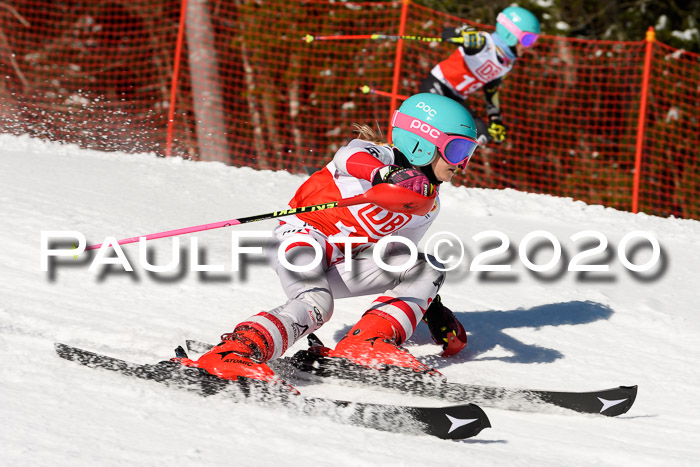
[403,296]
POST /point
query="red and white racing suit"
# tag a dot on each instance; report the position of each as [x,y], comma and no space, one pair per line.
[402,297]
[463,73]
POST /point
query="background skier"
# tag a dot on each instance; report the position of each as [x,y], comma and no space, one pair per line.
[481,62]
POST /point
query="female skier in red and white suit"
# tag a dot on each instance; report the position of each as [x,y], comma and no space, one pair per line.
[433,137]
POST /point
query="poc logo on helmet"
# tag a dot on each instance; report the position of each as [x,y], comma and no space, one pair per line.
[426,108]
[425,128]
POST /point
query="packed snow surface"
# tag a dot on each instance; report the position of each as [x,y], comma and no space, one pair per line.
[556,329]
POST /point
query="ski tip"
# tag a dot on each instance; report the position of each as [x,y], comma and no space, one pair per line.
[468,424]
[484,419]
[456,422]
[618,401]
[631,392]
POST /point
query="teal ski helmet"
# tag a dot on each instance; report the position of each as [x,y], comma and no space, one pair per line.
[523,20]
[438,111]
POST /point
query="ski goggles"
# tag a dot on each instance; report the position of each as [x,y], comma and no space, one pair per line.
[527,39]
[455,149]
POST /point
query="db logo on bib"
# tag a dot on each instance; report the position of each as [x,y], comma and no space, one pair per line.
[380,222]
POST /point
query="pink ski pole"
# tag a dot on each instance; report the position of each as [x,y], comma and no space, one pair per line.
[387,196]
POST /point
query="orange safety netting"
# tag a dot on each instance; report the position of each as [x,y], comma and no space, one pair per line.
[235,81]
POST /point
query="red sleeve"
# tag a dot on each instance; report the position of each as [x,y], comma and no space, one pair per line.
[361,164]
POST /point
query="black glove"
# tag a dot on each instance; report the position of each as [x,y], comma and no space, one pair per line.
[412,179]
[497,129]
[444,328]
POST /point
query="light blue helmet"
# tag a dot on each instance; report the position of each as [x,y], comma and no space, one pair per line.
[443,113]
[522,18]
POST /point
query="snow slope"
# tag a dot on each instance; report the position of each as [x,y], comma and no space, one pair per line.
[554,330]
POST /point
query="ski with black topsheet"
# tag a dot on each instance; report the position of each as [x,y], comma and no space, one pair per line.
[451,422]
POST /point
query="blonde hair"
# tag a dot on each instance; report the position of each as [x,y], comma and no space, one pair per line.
[367,133]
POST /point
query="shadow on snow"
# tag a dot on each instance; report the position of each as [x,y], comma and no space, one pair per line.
[486,331]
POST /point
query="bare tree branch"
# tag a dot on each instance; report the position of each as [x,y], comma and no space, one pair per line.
[16,14]
[6,44]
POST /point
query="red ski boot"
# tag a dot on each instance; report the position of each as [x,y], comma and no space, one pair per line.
[372,344]
[241,354]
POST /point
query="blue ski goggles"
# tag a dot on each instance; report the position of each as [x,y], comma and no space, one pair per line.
[455,149]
